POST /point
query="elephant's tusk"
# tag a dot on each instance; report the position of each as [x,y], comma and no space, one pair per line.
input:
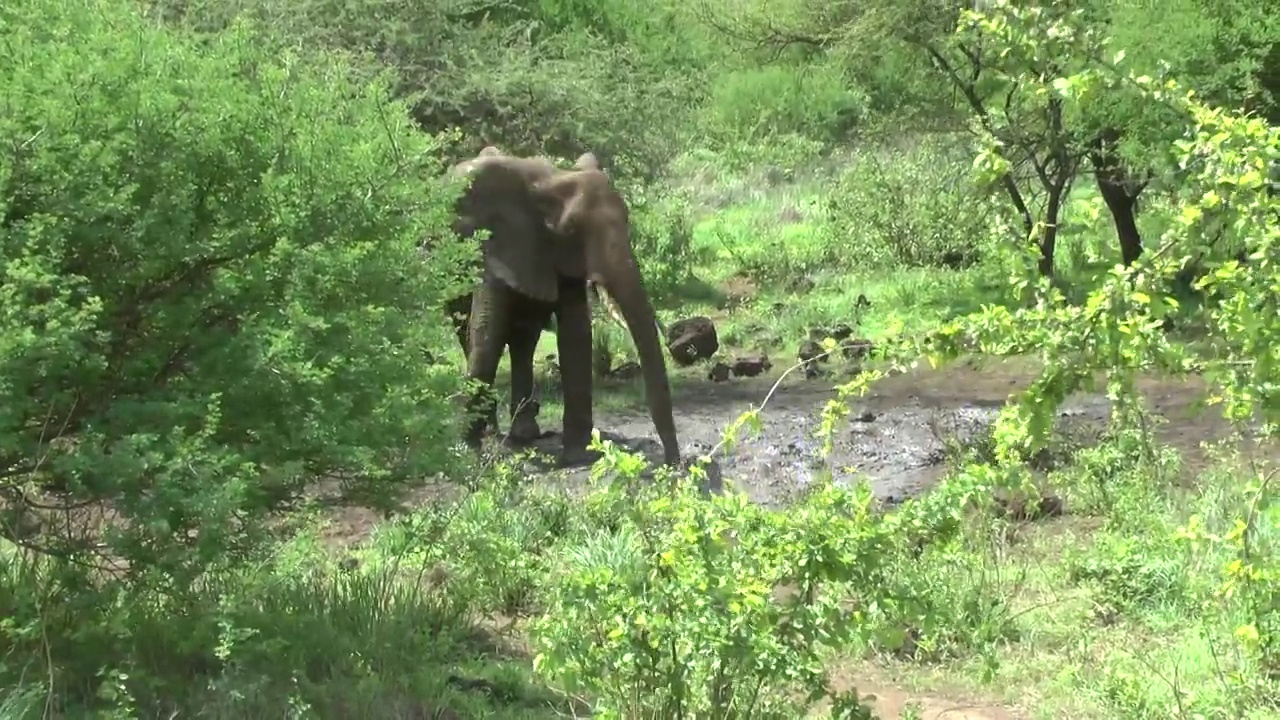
[610,308]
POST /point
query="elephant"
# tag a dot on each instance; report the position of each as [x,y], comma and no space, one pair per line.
[553,234]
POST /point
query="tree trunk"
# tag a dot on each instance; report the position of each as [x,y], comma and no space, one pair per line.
[1049,237]
[1119,192]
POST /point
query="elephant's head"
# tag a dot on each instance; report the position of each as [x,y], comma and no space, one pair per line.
[546,224]
[521,251]
[583,207]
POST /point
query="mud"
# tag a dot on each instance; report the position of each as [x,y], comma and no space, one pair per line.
[897,436]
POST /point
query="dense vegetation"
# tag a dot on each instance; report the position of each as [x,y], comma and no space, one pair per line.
[217,322]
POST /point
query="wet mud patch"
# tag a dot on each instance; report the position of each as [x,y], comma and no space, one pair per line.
[898,436]
[902,450]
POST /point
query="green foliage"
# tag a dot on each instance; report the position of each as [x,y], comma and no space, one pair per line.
[772,253]
[662,235]
[1119,327]
[531,78]
[683,608]
[753,105]
[211,299]
[911,207]
[716,606]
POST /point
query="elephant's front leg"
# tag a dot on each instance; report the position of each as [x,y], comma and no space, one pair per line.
[523,342]
[573,317]
[490,324]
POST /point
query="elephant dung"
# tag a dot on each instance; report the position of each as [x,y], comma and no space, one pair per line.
[750,366]
[692,339]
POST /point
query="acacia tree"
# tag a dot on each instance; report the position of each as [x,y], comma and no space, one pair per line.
[1003,90]
[1000,59]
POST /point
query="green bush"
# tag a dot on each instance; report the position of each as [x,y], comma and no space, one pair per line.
[911,206]
[532,78]
[212,288]
[752,105]
[662,234]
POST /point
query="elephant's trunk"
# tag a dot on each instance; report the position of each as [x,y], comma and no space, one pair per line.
[621,278]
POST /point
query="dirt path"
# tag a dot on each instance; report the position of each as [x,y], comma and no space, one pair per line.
[889,701]
[897,435]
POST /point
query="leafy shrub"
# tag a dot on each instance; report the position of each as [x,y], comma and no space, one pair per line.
[527,77]
[752,105]
[682,605]
[912,207]
[676,613]
[213,293]
[662,235]
[1131,574]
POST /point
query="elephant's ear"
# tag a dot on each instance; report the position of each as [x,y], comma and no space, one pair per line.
[517,251]
[577,208]
[560,199]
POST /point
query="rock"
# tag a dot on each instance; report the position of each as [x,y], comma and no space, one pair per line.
[625,371]
[857,349]
[811,353]
[750,366]
[811,350]
[839,333]
[692,339]
[719,372]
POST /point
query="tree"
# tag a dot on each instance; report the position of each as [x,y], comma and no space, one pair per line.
[1001,59]
[556,78]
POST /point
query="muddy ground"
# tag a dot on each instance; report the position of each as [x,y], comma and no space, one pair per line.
[897,435]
